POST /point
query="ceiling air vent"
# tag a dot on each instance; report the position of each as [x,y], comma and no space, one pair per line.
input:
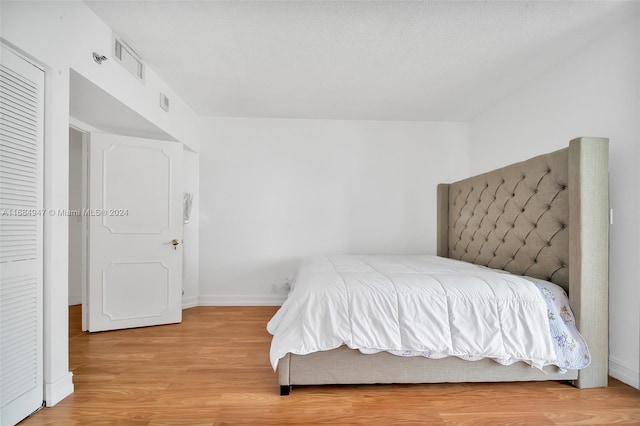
[164,102]
[128,58]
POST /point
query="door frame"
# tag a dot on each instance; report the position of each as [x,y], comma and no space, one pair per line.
[85,129]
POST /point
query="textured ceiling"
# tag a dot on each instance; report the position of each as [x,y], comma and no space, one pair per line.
[377,60]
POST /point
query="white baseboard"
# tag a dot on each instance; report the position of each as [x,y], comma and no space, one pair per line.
[189,302]
[241,300]
[58,390]
[624,373]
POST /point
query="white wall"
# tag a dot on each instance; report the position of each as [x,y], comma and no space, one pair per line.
[596,92]
[75,222]
[275,190]
[60,35]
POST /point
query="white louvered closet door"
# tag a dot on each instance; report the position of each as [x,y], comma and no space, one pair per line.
[21,203]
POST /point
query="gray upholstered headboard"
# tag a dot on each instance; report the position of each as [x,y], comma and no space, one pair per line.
[546,217]
[514,218]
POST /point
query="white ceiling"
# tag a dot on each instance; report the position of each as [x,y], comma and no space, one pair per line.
[377,60]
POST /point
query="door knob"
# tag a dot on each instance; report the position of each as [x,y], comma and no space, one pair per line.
[175,243]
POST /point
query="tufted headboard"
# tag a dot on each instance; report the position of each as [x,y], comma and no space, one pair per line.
[515,218]
[546,217]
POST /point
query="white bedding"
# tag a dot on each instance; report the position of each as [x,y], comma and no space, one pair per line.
[427,304]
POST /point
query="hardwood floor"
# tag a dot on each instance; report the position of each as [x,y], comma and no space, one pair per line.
[213,369]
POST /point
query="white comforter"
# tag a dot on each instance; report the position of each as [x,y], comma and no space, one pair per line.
[432,305]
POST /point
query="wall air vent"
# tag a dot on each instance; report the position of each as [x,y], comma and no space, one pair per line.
[128,58]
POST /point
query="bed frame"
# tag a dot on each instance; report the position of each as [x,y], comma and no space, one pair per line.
[546,217]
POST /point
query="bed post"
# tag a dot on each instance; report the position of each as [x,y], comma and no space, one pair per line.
[589,252]
[443,220]
[284,378]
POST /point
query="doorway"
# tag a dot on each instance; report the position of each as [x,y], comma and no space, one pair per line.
[76,138]
[94,111]
[124,268]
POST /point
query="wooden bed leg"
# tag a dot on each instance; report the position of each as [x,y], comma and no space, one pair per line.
[285,390]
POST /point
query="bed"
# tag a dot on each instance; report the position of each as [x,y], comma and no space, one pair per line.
[546,218]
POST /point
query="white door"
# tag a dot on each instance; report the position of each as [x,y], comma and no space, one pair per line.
[135,212]
[21,262]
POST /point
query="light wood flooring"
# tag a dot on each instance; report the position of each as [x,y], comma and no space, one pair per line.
[213,369]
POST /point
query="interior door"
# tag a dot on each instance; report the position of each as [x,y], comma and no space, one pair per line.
[134,232]
[21,237]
